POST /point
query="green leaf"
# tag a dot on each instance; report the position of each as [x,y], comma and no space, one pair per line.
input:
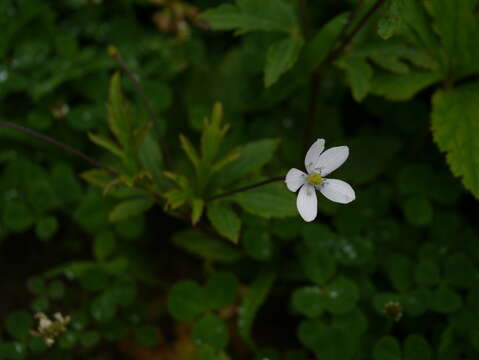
[104,245]
[416,348]
[427,272]
[130,208]
[190,151]
[211,330]
[224,220]
[269,201]
[252,157]
[107,144]
[186,301]
[454,124]
[147,336]
[17,216]
[308,301]
[46,227]
[252,301]
[206,247]
[318,264]
[281,57]
[387,348]
[400,271]
[36,285]
[401,87]
[460,271]
[418,210]
[151,159]
[118,116]
[18,324]
[258,244]
[56,289]
[221,290]
[446,300]
[251,15]
[391,23]
[341,296]
[360,75]
[90,338]
[13,350]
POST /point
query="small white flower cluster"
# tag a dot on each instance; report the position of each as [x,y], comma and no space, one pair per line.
[49,329]
[319,164]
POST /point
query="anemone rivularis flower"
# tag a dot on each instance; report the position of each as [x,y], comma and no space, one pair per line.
[319,164]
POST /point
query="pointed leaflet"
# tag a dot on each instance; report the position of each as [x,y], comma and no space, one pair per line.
[252,157]
[253,15]
[129,208]
[280,58]
[455,126]
[118,116]
[224,220]
[360,74]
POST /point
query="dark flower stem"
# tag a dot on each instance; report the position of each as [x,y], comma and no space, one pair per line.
[57,143]
[245,188]
[344,40]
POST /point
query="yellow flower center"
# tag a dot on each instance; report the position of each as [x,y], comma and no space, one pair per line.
[315,179]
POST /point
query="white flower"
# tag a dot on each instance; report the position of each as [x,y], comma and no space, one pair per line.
[319,164]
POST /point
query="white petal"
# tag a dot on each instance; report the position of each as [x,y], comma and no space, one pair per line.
[295,179]
[337,191]
[312,156]
[331,159]
[307,202]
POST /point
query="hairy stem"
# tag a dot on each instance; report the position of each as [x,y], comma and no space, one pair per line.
[58,144]
[344,40]
[245,188]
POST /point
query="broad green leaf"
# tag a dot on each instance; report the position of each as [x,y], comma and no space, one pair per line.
[418,210]
[198,206]
[341,296]
[308,301]
[446,300]
[130,208]
[427,272]
[103,308]
[400,271]
[269,201]
[18,324]
[387,348]
[455,116]
[252,15]
[281,57]
[211,330]
[151,159]
[90,338]
[318,264]
[389,25]
[17,216]
[401,87]
[221,290]
[460,271]
[416,348]
[104,245]
[258,244]
[359,74]
[252,157]
[186,301]
[46,227]
[224,220]
[97,177]
[252,301]
[13,350]
[206,247]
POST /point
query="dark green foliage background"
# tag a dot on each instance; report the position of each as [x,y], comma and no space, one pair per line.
[393,275]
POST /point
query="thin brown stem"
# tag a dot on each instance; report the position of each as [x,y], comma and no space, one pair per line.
[58,144]
[153,121]
[344,40]
[244,188]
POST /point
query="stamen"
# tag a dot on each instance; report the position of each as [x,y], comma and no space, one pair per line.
[315,179]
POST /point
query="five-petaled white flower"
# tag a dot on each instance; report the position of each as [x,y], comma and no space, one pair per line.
[318,165]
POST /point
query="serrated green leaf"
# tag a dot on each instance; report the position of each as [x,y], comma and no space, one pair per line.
[251,15]
[224,220]
[252,157]
[269,201]
[252,301]
[281,57]
[359,74]
[130,208]
[455,116]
